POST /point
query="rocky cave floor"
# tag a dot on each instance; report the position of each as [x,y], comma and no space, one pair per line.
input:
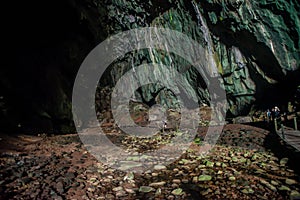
[248,162]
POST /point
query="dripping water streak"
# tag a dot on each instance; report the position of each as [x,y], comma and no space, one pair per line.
[206,33]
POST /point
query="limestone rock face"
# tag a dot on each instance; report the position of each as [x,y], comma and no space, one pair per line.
[253,44]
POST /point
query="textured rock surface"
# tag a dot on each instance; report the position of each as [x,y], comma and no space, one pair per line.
[254,44]
[59,167]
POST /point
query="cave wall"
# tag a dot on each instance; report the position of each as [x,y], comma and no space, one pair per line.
[255,45]
[45,43]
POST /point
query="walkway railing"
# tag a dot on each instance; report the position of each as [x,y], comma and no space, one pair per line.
[290,135]
[278,121]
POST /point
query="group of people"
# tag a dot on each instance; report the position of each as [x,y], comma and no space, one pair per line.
[273,113]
